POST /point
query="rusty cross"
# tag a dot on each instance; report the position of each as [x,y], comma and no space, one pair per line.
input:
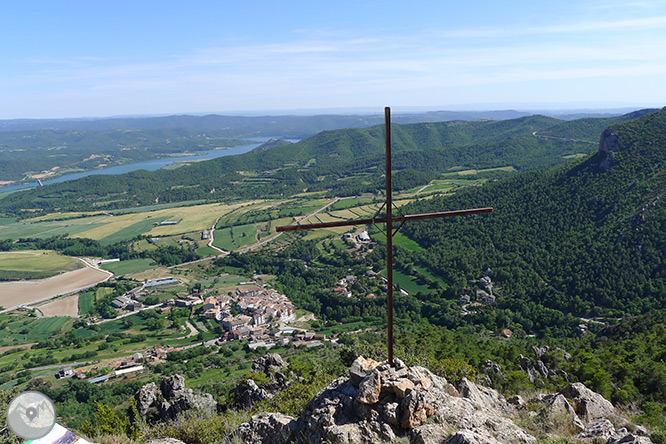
[389,221]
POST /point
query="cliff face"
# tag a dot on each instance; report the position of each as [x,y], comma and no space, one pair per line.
[378,403]
[608,145]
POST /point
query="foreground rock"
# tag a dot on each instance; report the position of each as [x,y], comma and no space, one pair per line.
[378,403]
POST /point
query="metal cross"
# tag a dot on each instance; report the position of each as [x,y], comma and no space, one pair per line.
[389,221]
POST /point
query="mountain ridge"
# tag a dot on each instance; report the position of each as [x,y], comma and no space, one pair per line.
[330,160]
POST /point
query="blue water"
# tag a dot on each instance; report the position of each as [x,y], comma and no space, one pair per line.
[150,165]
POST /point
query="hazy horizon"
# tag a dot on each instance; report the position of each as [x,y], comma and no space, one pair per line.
[75,58]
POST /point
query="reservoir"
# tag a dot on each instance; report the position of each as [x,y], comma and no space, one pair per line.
[150,165]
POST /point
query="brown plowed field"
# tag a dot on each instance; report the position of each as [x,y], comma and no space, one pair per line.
[67,306]
[13,294]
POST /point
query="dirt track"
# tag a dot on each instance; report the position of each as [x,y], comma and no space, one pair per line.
[13,294]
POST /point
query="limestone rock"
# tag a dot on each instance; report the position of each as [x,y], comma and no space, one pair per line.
[171,385]
[267,428]
[360,368]
[188,400]
[478,394]
[334,416]
[270,362]
[528,367]
[559,416]
[403,388]
[608,145]
[389,404]
[370,388]
[471,437]
[175,399]
[600,430]
[146,398]
[588,405]
[630,439]
[249,392]
[415,409]
[389,412]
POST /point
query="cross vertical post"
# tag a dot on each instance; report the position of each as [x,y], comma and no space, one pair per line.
[388,220]
[389,234]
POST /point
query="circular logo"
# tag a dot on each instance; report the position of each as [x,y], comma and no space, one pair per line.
[31,415]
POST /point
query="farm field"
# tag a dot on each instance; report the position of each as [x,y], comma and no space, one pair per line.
[406,282]
[21,329]
[86,302]
[13,294]
[235,237]
[36,264]
[67,306]
[129,266]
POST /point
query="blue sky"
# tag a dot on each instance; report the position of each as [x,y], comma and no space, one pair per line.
[89,58]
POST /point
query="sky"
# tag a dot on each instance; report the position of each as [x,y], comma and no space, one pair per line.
[142,57]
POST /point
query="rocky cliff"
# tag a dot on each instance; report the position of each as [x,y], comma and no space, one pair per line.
[378,403]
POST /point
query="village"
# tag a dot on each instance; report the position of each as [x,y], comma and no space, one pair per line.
[256,314]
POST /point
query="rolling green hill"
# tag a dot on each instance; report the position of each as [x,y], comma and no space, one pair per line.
[343,162]
[587,238]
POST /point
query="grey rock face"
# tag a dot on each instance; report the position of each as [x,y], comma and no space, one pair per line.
[249,392]
[370,388]
[360,368]
[608,145]
[267,428]
[589,405]
[171,385]
[146,398]
[175,399]
[600,430]
[268,363]
[558,415]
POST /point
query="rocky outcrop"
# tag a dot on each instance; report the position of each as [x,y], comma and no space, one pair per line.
[146,397]
[276,369]
[266,428]
[270,363]
[604,431]
[171,399]
[536,368]
[588,404]
[379,403]
[608,145]
[248,393]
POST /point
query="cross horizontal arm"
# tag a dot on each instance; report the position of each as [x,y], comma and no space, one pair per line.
[348,223]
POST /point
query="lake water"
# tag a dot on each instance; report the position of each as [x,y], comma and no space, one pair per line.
[150,165]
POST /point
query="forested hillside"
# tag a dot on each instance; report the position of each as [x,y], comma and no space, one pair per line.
[587,238]
[341,162]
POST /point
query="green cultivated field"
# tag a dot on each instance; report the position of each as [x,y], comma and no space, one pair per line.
[407,283]
[86,302]
[405,242]
[20,330]
[131,231]
[235,237]
[129,266]
[34,264]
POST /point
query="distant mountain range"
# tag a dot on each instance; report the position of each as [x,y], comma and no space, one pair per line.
[287,126]
[344,162]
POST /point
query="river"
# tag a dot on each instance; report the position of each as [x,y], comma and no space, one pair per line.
[150,165]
